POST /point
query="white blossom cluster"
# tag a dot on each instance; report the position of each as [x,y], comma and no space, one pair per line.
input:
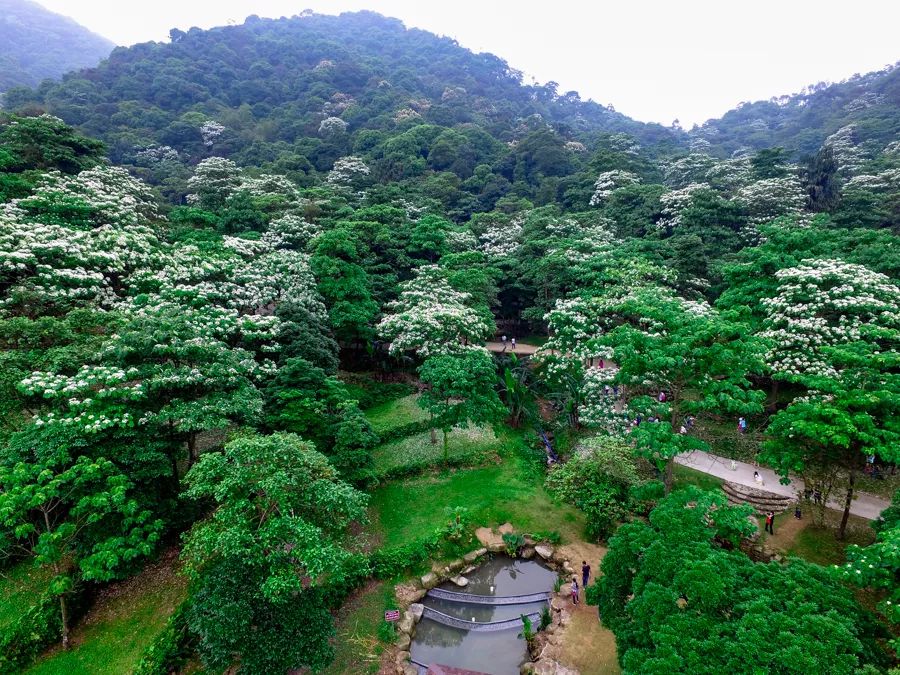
[600,408]
[729,175]
[884,181]
[460,241]
[867,100]
[332,126]
[610,181]
[501,239]
[113,196]
[575,146]
[347,172]
[674,204]
[157,154]
[290,231]
[430,317]
[688,170]
[847,153]
[824,303]
[214,180]
[211,130]
[769,198]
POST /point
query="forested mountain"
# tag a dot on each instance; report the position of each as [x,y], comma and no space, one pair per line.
[265,340]
[295,94]
[801,122]
[36,44]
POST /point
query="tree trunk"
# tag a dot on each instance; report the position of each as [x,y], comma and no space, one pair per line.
[433,431]
[64,616]
[842,530]
[446,451]
[192,448]
[773,394]
[669,475]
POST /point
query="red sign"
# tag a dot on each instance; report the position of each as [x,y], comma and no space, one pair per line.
[392,615]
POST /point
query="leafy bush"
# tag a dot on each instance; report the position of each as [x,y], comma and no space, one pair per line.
[597,480]
[513,542]
[36,629]
[387,631]
[170,649]
[550,536]
[388,563]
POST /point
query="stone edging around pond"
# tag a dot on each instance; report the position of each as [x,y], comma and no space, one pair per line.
[456,570]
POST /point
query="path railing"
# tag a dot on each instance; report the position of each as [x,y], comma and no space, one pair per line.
[471,598]
[481,626]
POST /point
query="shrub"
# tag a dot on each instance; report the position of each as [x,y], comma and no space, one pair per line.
[32,633]
[513,542]
[170,649]
[597,480]
[387,631]
[387,563]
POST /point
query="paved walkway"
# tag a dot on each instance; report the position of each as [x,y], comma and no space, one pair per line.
[864,505]
[522,348]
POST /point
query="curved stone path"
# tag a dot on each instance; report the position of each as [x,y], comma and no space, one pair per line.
[474,599]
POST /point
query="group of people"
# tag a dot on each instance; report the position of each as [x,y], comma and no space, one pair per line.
[585,576]
[512,341]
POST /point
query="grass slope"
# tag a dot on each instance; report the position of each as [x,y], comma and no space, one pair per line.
[469,446]
[510,490]
[115,632]
[396,413]
[20,587]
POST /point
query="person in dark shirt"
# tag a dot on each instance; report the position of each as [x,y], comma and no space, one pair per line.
[585,573]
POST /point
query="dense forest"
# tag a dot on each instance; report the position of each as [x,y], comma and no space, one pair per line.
[36,44]
[256,285]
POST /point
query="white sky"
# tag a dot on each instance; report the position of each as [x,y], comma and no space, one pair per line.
[652,60]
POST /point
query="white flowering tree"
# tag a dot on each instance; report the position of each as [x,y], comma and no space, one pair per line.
[610,181]
[332,126]
[348,173]
[821,304]
[770,198]
[215,179]
[210,131]
[430,317]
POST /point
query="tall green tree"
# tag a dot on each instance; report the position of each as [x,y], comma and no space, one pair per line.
[259,563]
[460,390]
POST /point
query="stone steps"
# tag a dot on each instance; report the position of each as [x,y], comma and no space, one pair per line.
[761,500]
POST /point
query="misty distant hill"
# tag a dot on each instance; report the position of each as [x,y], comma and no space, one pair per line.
[36,44]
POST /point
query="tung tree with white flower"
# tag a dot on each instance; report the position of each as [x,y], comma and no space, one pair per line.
[431,317]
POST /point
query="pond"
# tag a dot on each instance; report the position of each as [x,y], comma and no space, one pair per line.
[498,652]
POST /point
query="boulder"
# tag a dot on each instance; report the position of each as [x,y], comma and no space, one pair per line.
[456,565]
[527,553]
[416,609]
[565,590]
[430,580]
[417,595]
[526,668]
[559,557]
[546,552]
[469,570]
[460,581]
[472,556]
[409,669]
[556,604]
[506,528]
[403,642]
[406,623]
[402,658]
[496,547]
[564,618]
[567,568]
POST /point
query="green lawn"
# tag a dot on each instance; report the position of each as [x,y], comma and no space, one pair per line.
[685,476]
[115,632]
[469,446]
[396,413]
[405,510]
[20,587]
[357,648]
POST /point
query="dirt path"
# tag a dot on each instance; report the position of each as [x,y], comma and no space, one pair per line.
[586,645]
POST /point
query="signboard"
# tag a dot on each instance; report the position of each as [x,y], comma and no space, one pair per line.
[392,615]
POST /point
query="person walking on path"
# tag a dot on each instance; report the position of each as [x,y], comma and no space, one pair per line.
[770,523]
[742,425]
[514,344]
[574,591]
[758,478]
[503,340]
[585,573]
